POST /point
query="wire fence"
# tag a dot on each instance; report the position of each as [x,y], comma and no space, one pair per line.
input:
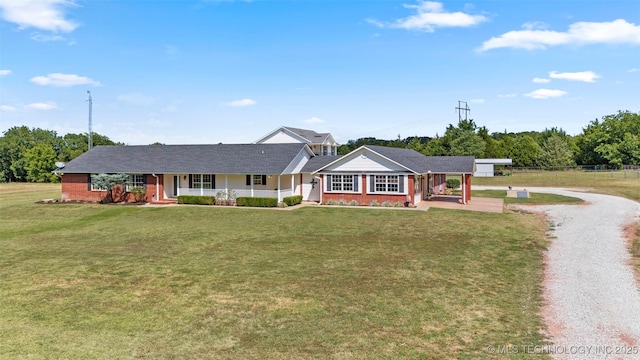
[582,171]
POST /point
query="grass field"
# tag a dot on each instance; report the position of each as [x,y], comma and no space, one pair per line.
[112,281]
[533,199]
[620,183]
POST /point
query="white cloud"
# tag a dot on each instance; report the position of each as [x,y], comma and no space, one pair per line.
[63,80]
[42,106]
[313,120]
[507,96]
[135,99]
[5,72]
[535,25]
[431,15]
[632,70]
[545,94]
[478,101]
[614,32]
[586,76]
[41,14]
[7,108]
[540,80]
[241,103]
[46,38]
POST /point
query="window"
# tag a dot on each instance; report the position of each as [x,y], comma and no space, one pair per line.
[202,181]
[387,183]
[93,186]
[341,182]
[135,180]
[257,180]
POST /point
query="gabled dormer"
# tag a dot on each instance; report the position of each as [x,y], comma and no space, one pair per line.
[320,143]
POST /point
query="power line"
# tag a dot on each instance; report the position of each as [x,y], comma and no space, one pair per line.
[461,109]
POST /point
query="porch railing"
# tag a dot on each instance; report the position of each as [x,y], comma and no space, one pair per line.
[237,192]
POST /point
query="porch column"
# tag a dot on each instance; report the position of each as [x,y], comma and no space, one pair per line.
[279,196]
[464,191]
[321,184]
[251,178]
[226,186]
[201,185]
[293,184]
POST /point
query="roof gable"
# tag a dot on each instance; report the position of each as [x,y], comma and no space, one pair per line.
[365,160]
[287,134]
[400,159]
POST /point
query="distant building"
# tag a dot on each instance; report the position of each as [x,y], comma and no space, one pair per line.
[486,167]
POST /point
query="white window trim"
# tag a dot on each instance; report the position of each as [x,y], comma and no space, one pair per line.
[405,181]
[201,182]
[357,178]
[133,183]
[92,186]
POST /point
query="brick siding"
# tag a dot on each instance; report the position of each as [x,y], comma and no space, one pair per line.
[365,199]
[76,187]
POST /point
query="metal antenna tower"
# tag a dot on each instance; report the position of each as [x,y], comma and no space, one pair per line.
[90,111]
[461,109]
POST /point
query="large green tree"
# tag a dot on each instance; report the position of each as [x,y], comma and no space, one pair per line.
[40,162]
[13,148]
[525,151]
[612,141]
[21,146]
[462,140]
[556,152]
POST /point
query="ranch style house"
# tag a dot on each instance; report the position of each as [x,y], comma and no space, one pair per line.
[287,161]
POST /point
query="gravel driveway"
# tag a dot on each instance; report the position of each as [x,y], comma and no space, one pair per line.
[592,308]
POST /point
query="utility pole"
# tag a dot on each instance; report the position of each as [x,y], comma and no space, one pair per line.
[461,109]
[90,110]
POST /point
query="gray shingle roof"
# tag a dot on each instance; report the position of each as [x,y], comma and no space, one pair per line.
[312,136]
[187,159]
[422,164]
[318,162]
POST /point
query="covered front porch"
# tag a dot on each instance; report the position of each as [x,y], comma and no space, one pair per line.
[435,184]
[231,186]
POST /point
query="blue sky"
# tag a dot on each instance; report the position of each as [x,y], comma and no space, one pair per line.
[196,71]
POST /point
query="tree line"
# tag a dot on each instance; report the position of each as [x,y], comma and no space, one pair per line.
[30,155]
[609,142]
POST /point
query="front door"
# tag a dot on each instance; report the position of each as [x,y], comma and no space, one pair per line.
[176,184]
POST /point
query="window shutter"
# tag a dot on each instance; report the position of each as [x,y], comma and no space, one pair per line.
[264,179]
[213,181]
[88,182]
[328,182]
[401,183]
[248,179]
[190,181]
[356,181]
[144,181]
[372,183]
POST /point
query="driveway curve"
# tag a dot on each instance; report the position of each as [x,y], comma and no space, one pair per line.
[592,301]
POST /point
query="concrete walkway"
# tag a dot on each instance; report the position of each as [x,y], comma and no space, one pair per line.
[490,205]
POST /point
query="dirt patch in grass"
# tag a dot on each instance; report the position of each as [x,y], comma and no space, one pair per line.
[632,234]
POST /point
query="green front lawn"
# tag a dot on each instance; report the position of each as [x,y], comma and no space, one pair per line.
[533,199]
[112,281]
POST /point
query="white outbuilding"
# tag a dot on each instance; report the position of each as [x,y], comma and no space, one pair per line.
[485,167]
